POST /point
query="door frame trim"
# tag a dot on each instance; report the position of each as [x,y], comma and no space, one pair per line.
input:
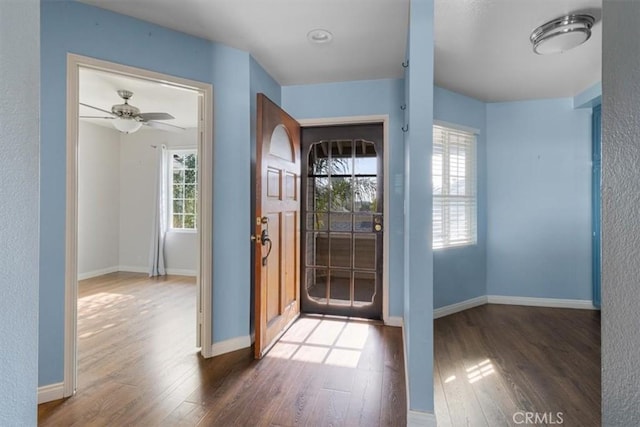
[205,151]
[358,120]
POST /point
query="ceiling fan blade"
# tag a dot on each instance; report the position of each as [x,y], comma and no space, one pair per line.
[96,108]
[164,126]
[96,117]
[145,117]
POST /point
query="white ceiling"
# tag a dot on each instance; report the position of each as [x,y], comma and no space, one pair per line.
[99,89]
[482,46]
[482,49]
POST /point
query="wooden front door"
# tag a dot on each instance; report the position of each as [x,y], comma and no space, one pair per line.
[277,223]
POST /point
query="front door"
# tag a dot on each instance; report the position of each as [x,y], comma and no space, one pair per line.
[277,223]
[342,220]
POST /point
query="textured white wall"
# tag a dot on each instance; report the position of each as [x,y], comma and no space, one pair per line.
[19,191]
[98,198]
[137,169]
[621,214]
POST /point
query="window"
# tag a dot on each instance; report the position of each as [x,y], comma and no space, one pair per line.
[454,187]
[183,189]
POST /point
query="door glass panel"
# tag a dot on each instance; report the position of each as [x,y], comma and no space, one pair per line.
[364,251]
[365,195]
[363,223]
[341,194]
[319,158]
[318,221]
[317,194]
[341,163]
[340,248]
[366,161]
[364,287]
[317,284]
[317,249]
[340,287]
[340,222]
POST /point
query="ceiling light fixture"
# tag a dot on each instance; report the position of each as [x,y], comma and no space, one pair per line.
[319,36]
[562,34]
[127,125]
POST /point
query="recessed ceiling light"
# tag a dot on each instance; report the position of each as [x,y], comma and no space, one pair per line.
[319,36]
[562,34]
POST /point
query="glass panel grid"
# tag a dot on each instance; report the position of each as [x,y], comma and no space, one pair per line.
[342,198]
[183,194]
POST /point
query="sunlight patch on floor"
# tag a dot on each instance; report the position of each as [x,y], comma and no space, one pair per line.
[323,341]
[479,371]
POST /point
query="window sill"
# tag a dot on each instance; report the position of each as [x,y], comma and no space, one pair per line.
[182,231]
[453,247]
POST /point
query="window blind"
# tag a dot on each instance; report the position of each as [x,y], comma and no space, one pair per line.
[454,187]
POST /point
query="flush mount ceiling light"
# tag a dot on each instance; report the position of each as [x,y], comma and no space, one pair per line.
[319,36]
[562,34]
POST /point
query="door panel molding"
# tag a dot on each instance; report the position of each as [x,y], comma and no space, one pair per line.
[368,119]
[277,226]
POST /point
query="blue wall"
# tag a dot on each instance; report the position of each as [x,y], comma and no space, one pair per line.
[538,201]
[589,98]
[357,98]
[86,30]
[460,273]
[418,267]
[19,138]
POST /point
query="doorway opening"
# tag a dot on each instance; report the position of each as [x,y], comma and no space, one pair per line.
[342,220]
[171,168]
[283,231]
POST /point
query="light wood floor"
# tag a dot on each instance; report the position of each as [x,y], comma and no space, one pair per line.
[138,365]
[494,361]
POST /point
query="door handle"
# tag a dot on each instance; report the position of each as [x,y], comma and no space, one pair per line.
[265,240]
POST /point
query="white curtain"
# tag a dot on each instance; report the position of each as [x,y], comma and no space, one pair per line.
[159,217]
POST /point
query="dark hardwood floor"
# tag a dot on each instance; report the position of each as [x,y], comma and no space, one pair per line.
[495,362]
[138,366]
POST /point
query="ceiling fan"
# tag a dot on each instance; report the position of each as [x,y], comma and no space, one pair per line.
[128,119]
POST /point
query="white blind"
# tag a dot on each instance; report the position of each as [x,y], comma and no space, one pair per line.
[454,187]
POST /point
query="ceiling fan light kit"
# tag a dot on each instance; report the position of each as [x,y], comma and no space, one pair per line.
[127,125]
[562,34]
[128,119]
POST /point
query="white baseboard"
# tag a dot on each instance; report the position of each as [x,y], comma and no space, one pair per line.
[230,345]
[51,392]
[542,302]
[420,419]
[174,271]
[96,273]
[181,272]
[394,321]
[406,366]
[133,269]
[459,306]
